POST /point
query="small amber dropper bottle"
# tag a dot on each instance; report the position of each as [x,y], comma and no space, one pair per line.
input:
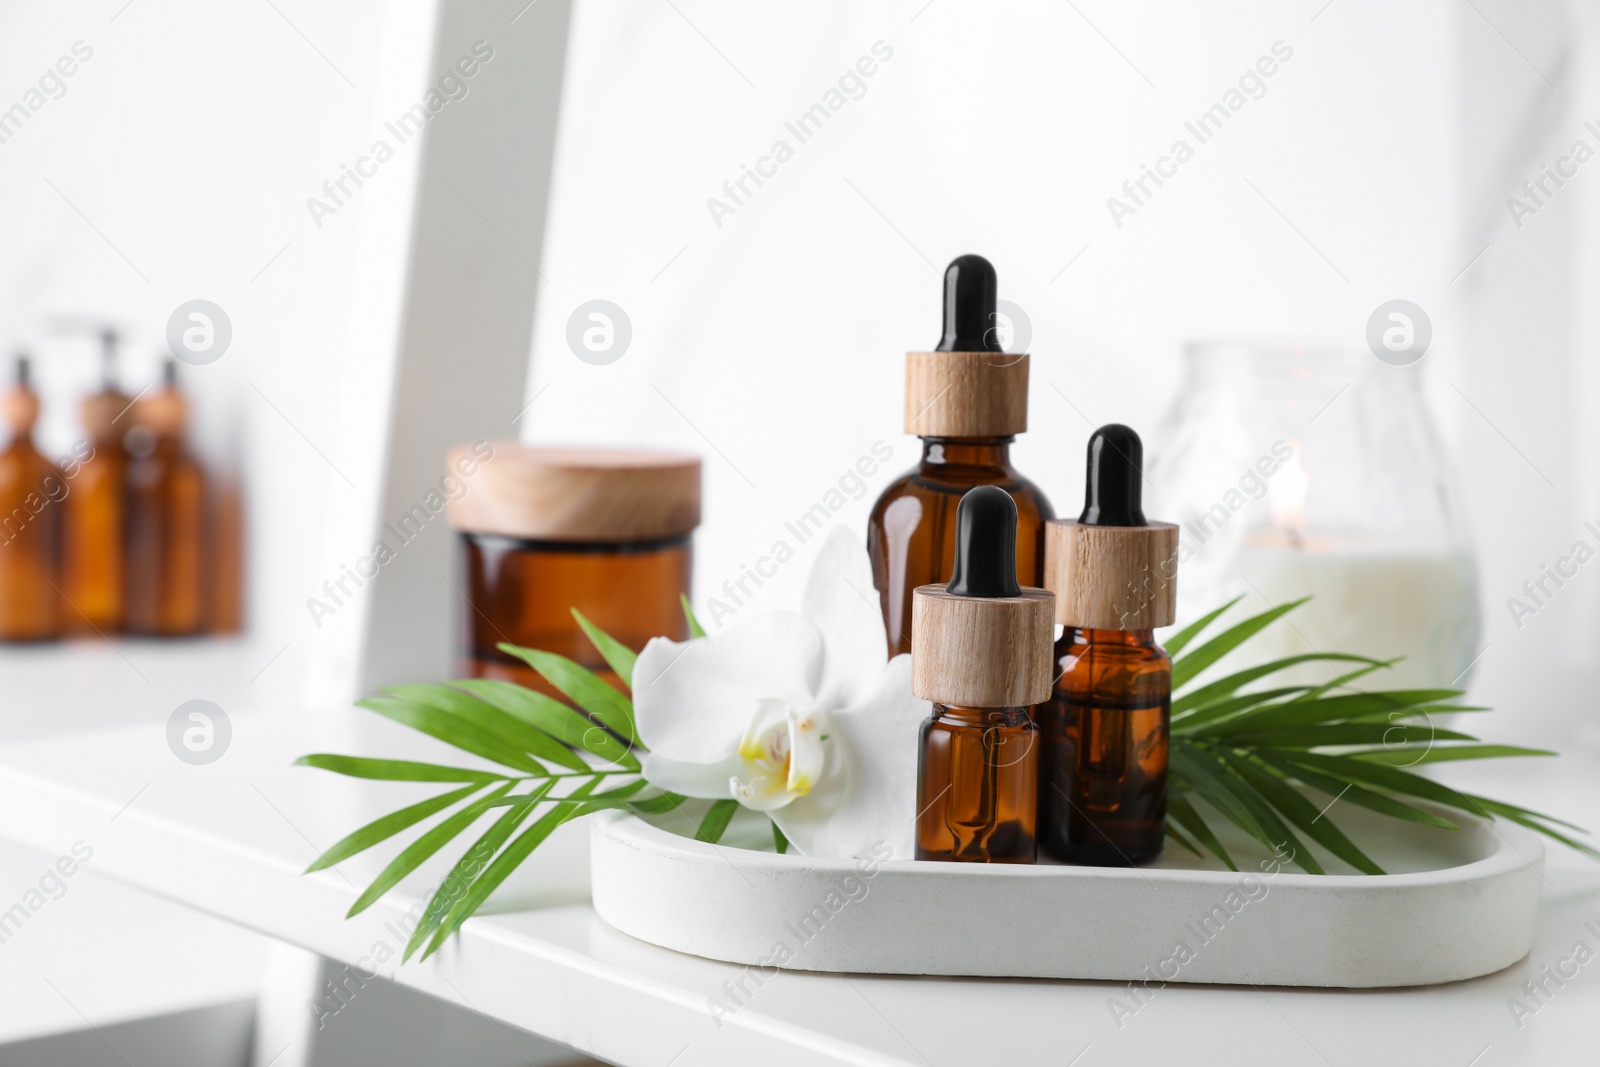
[92,548]
[166,518]
[1104,731]
[981,653]
[967,400]
[30,515]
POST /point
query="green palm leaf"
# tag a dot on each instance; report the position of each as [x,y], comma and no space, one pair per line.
[695,629]
[382,829]
[618,656]
[1180,640]
[1300,811]
[1183,670]
[659,804]
[1222,687]
[394,770]
[716,821]
[1179,808]
[453,731]
[551,716]
[1181,838]
[507,861]
[508,728]
[1249,753]
[604,704]
[1411,757]
[412,856]
[1359,795]
[454,884]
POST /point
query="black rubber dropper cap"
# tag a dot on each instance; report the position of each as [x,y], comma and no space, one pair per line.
[1111,489]
[169,373]
[108,359]
[970,291]
[986,544]
[24,370]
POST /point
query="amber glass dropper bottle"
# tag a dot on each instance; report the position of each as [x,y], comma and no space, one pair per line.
[982,655]
[967,400]
[166,496]
[30,516]
[92,556]
[1104,731]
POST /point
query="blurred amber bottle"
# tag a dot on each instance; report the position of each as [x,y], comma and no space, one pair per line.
[92,564]
[30,516]
[165,519]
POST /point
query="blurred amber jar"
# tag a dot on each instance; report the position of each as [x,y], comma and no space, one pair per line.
[546,530]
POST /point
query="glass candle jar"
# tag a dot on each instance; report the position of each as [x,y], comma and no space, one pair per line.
[545,530]
[1302,470]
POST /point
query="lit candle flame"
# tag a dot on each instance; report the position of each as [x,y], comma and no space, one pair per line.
[1286,493]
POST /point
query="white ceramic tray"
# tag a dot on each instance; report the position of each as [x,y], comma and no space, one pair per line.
[1465,906]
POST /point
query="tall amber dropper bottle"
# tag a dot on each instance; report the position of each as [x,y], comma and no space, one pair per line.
[166,518]
[982,655]
[92,550]
[967,400]
[30,516]
[1104,732]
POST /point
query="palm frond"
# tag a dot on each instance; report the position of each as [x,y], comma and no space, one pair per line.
[552,757]
[1252,754]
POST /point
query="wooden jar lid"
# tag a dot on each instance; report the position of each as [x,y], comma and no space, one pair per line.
[1112,577]
[575,494]
[966,394]
[982,652]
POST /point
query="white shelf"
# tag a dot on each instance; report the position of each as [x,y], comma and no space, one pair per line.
[230,839]
[113,954]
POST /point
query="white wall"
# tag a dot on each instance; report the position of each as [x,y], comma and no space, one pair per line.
[773,342]
[1375,166]
[187,146]
[776,339]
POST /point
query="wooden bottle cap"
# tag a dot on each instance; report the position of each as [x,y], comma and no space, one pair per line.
[982,652]
[575,494]
[20,409]
[100,413]
[966,394]
[164,412]
[1112,577]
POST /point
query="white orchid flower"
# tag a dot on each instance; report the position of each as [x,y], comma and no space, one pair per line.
[800,716]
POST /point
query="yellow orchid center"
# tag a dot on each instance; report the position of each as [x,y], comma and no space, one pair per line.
[783,755]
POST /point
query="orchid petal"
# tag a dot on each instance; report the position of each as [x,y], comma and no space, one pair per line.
[843,604]
[866,798]
[693,700]
[708,781]
[754,744]
[807,751]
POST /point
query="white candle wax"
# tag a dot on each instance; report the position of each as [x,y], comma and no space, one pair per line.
[1366,600]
